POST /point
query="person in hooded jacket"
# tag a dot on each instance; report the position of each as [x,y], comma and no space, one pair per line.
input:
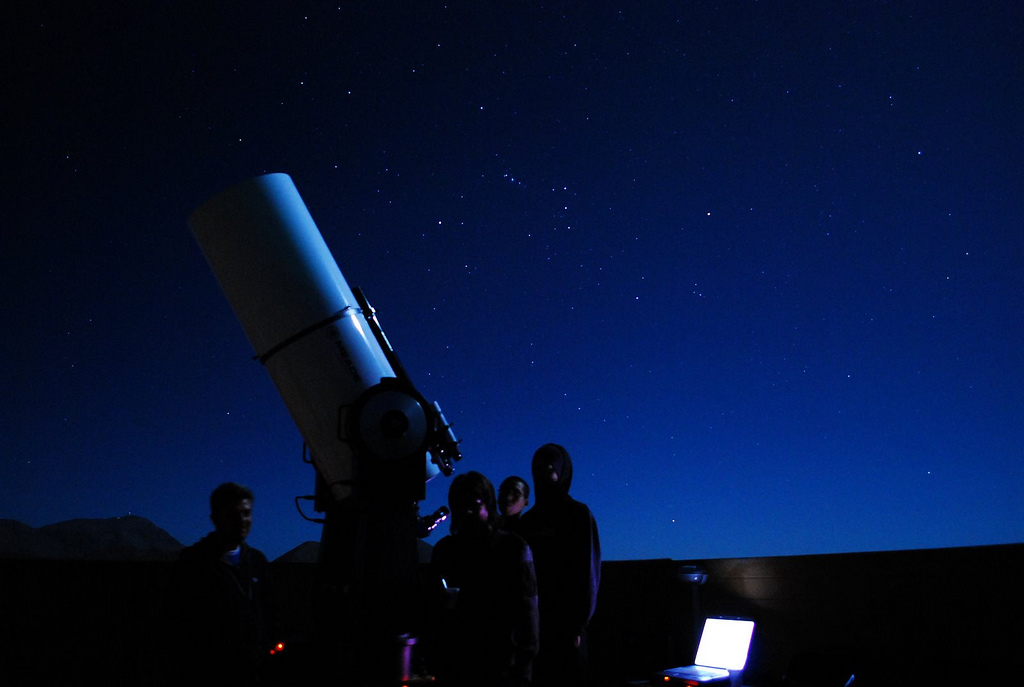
[487,634]
[562,533]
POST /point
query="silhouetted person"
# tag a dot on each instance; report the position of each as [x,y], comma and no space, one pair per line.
[219,607]
[488,632]
[562,533]
[513,498]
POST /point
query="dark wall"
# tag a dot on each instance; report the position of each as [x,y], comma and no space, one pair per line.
[79,621]
[892,618]
[897,617]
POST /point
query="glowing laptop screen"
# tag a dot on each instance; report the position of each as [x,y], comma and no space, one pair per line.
[724,643]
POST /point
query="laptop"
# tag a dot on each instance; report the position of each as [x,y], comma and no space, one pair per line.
[723,647]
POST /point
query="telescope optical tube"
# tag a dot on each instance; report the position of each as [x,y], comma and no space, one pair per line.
[307,328]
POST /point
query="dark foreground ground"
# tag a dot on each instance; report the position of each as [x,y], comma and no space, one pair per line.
[928,617]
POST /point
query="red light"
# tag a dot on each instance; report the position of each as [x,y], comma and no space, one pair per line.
[277,647]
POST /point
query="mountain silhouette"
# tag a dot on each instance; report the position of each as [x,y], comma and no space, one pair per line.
[127,538]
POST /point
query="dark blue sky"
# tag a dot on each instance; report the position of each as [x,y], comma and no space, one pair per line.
[758,266]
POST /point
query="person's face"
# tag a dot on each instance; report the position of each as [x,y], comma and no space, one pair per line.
[474,515]
[512,499]
[234,522]
[547,473]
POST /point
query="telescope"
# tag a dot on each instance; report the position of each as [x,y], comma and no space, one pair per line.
[373,438]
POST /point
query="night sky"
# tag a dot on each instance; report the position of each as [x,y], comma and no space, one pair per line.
[759,266]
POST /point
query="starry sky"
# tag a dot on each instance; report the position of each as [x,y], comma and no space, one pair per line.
[759,266]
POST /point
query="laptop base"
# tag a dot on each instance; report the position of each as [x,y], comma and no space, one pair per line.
[698,676]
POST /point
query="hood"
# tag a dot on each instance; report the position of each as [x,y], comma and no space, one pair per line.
[551,457]
[464,491]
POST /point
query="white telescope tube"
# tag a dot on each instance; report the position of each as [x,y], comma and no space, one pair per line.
[296,309]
